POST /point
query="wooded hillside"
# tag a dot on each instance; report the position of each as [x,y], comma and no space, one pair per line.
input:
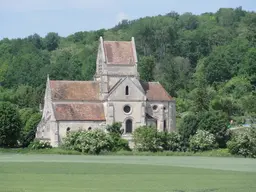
[207,62]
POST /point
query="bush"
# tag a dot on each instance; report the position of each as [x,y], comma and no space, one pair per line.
[243,143]
[115,132]
[170,141]
[202,141]
[216,123]
[71,140]
[92,142]
[10,124]
[119,144]
[36,144]
[147,139]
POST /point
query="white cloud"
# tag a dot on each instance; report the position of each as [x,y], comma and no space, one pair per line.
[121,16]
[44,5]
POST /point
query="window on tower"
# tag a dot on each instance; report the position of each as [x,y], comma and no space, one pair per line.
[126,90]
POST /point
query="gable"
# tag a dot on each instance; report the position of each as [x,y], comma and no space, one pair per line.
[75,90]
[119,91]
[155,91]
[119,52]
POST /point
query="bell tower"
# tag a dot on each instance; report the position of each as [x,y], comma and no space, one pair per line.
[115,60]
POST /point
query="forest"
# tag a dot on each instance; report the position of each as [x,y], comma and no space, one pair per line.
[206,62]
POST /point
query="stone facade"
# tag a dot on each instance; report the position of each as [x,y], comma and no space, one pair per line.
[115,95]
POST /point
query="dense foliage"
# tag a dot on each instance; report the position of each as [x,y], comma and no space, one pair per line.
[10,125]
[149,139]
[96,141]
[115,133]
[243,143]
[188,127]
[216,123]
[202,141]
[207,62]
[92,142]
[171,141]
[36,144]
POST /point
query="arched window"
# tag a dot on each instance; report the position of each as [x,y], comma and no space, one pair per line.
[68,130]
[126,90]
[128,126]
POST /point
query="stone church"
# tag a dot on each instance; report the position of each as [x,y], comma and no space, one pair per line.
[115,95]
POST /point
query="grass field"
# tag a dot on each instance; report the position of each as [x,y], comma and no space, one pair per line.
[67,173]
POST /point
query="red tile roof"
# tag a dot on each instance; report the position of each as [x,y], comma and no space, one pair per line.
[119,52]
[155,92]
[79,112]
[75,90]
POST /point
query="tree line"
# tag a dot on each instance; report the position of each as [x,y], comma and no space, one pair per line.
[206,62]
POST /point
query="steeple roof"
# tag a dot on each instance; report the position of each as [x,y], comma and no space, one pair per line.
[120,52]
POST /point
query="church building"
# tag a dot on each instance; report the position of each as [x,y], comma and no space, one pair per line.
[115,95]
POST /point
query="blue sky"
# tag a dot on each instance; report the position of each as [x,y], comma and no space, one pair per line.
[20,18]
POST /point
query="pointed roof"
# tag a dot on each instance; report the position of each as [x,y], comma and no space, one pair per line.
[119,52]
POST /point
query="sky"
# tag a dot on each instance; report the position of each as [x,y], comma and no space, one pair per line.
[21,18]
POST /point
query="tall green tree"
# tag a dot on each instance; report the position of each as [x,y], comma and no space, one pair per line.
[10,125]
[146,68]
[52,41]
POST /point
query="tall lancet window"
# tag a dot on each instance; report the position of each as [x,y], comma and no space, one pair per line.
[128,126]
[126,90]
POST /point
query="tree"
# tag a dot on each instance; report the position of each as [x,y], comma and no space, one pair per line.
[52,41]
[216,123]
[226,104]
[249,67]
[29,130]
[200,93]
[188,127]
[10,125]
[146,68]
[36,40]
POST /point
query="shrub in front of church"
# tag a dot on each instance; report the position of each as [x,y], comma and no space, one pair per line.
[71,140]
[36,144]
[115,131]
[202,141]
[243,143]
[147,139]
[91,142]
[170,141]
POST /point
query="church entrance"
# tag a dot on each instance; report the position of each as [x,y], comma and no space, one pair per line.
[128,126]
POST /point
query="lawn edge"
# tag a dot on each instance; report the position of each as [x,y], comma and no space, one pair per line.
[60,151]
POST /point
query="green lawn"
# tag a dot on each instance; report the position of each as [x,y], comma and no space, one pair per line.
[67,173]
